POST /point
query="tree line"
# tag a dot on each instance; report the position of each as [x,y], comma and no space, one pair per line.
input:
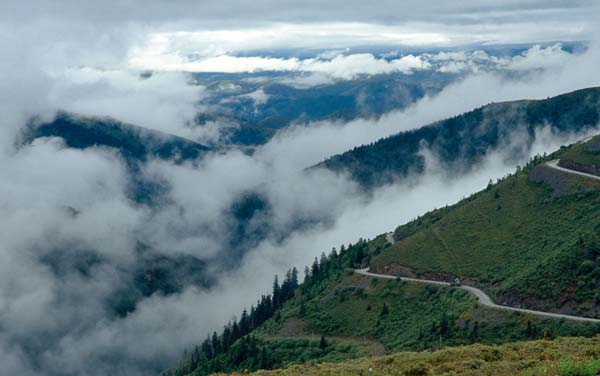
[236,348]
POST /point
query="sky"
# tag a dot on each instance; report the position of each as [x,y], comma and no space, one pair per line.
[87,56]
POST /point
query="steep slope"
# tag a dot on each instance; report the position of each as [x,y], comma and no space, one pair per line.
[465,139]
[336,315]
[531,240]
[528,241]
[584,157]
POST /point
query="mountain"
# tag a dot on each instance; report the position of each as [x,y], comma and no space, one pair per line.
[462,141]
[529,241]
[262,103]
[134,143]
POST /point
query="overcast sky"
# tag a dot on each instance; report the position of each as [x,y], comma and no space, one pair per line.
[86,29]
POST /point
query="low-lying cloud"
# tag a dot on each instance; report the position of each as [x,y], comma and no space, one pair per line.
[347,66]
[70,237]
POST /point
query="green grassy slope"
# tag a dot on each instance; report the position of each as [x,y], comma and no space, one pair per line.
[561,357]
[418,317]
[583,156]
[529,240]
[348,311]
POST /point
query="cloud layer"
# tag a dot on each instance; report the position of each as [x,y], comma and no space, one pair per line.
[69,236]
[347,66]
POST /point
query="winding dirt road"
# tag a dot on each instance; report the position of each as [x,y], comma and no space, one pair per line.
[554,165]
[482,297]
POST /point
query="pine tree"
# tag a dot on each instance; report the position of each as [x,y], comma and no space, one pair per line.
[294,278]
[314,271]
[226,338]
[323,343]
[264,359]
[216,344]
[384,310]
[276,293]
[244,323]
[235,332]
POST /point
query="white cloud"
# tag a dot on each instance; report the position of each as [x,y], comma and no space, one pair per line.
[538,57]
[58,320]
[164,101]
[340,67]
[259,97]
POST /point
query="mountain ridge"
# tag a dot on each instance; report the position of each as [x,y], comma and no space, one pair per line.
[460,142]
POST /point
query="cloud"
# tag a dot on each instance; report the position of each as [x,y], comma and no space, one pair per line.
[164,101]
[339,67]
[70,237]
[213,12]
[538,57]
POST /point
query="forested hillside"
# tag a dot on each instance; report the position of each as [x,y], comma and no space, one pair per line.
[531,240]
[132,142]
[528,240]
[462,141]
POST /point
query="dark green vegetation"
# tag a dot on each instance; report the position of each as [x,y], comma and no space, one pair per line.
[527,240]
[464,140]
[584,157]
[234,348]
[133,143]
[237,348]
[361,315]
[560,357]
[531,240]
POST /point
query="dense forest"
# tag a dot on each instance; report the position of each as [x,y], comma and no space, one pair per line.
[462,141]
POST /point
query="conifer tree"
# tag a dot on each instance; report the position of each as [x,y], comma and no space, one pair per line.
[323,343]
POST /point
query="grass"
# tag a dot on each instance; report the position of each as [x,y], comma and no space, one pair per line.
[519,240]
[419,317]
[584,153]
[560,357]
[514,240]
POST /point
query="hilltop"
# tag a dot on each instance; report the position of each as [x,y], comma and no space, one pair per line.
[462,141]
[133,142]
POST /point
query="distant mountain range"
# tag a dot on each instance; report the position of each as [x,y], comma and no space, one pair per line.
[262,107]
